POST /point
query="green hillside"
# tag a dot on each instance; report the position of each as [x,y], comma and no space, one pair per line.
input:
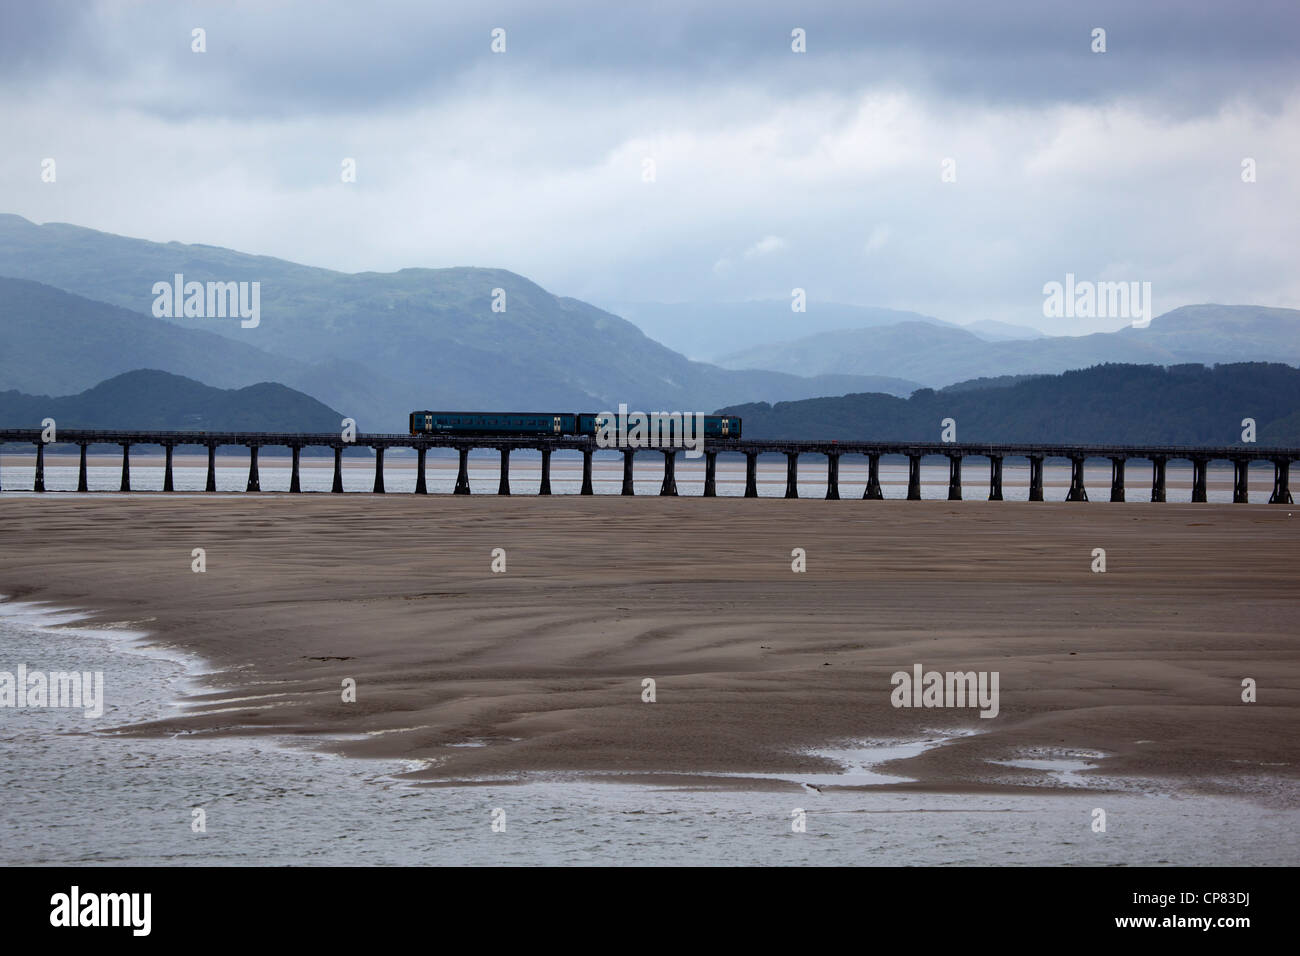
[1120,404]
[149,399]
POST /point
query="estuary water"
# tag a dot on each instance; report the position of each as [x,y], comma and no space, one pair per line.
[74,792]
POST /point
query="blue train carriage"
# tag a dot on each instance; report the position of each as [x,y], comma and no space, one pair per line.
[721,426]
[493,423]
[715,426]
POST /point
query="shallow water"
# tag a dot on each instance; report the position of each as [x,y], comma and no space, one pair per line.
[74,793]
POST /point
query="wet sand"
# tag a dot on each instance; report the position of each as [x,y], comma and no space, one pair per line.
[540,668]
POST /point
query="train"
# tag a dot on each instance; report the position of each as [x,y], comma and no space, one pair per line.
[535,424]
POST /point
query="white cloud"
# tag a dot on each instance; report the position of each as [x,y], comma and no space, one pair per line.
[876,241]
[765,247]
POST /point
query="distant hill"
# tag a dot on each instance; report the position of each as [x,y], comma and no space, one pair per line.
[52,341]
[57,343]
[708,330]
[1185,404]
[148,399]
[937,355]
[379,345]
[1001,331]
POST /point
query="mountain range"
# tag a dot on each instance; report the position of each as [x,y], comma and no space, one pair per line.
[708,330]
[938,355]
[77,307]
[374,344]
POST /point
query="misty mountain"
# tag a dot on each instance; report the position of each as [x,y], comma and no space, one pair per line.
[937,356]
[379,345]
[149,399]
[55,342]
[1114,404]
[995,331]
[707,330]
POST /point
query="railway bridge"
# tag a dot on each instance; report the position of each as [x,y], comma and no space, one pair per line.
[1119,455]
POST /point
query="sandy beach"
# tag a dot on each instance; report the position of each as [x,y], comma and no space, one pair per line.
[753,664]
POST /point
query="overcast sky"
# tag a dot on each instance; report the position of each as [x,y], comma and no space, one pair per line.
[772,169]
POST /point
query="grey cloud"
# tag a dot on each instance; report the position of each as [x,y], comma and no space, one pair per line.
[306,57]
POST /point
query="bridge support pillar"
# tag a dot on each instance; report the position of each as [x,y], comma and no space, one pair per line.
[337,487]
[254,483]
[503,486]
[1158,478]
[126,466]
[1240,481]
[421,482]
[1077,491]
[792,474]
[38,483]
[954,477]
[545,488]
[378,488]
[873,491]
[586,473]
[211,484]
[462,473]
[168,484]
[1117,478]
[751,474]
[1199,468]
[295,478]
[1035,477]
[628,487]
[710,474]
[832,477]
[913,477]
[1281,482]
[995,478]
[670,474]
[82,483]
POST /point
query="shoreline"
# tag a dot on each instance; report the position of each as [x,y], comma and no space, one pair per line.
[565,696]
[133,637]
